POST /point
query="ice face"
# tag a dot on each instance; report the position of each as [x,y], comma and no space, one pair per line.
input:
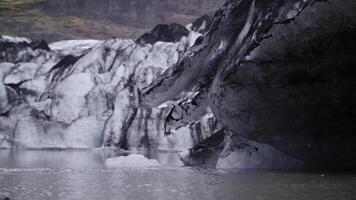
[260,65]
[86,94]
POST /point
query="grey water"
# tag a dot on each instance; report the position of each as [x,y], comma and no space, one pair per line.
[80,174]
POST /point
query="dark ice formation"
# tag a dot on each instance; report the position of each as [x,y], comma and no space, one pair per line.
[280,73]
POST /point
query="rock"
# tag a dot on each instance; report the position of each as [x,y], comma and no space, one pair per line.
[206,153]
[4,196]
[147,38]
[16,50]
[284,84]
[40,45]
[164,33]
[11,46]
[131,161]
[202,24]
[8,50]
[65,62]
[122,19]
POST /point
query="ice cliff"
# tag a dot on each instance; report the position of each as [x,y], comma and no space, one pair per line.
[279,76]
[87,93]
[264,84]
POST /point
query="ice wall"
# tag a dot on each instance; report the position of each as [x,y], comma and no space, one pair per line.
[86,94]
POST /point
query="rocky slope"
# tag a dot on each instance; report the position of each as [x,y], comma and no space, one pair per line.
[86,94]
[280,78]
[77,19]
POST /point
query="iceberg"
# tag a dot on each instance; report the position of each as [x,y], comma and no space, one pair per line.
[131,161]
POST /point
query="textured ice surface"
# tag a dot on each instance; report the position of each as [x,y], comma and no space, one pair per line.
[70,97]
[74,47]
[22,72]
[86,94]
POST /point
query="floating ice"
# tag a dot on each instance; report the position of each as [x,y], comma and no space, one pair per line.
[134,160]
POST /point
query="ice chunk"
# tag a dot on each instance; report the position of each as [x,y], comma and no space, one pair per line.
[134,160]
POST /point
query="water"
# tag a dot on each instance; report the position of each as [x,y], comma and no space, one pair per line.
[43,175]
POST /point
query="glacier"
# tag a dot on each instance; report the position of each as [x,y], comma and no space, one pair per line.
[279,77]
[262,85]
[86,94]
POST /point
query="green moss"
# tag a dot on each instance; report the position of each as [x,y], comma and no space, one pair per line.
[24,18]
[18,6]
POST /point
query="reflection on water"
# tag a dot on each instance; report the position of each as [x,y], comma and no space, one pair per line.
[43,175]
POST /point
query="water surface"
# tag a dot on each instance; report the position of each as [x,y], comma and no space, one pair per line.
[43,175]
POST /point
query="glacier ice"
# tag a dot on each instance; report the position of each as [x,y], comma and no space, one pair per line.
[86,94]
[74,47]
[288,86]
[22,72]
[133,160]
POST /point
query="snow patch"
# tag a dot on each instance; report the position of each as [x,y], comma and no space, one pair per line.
[74,47]
[7,38]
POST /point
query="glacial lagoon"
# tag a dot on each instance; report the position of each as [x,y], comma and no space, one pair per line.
[82,174]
